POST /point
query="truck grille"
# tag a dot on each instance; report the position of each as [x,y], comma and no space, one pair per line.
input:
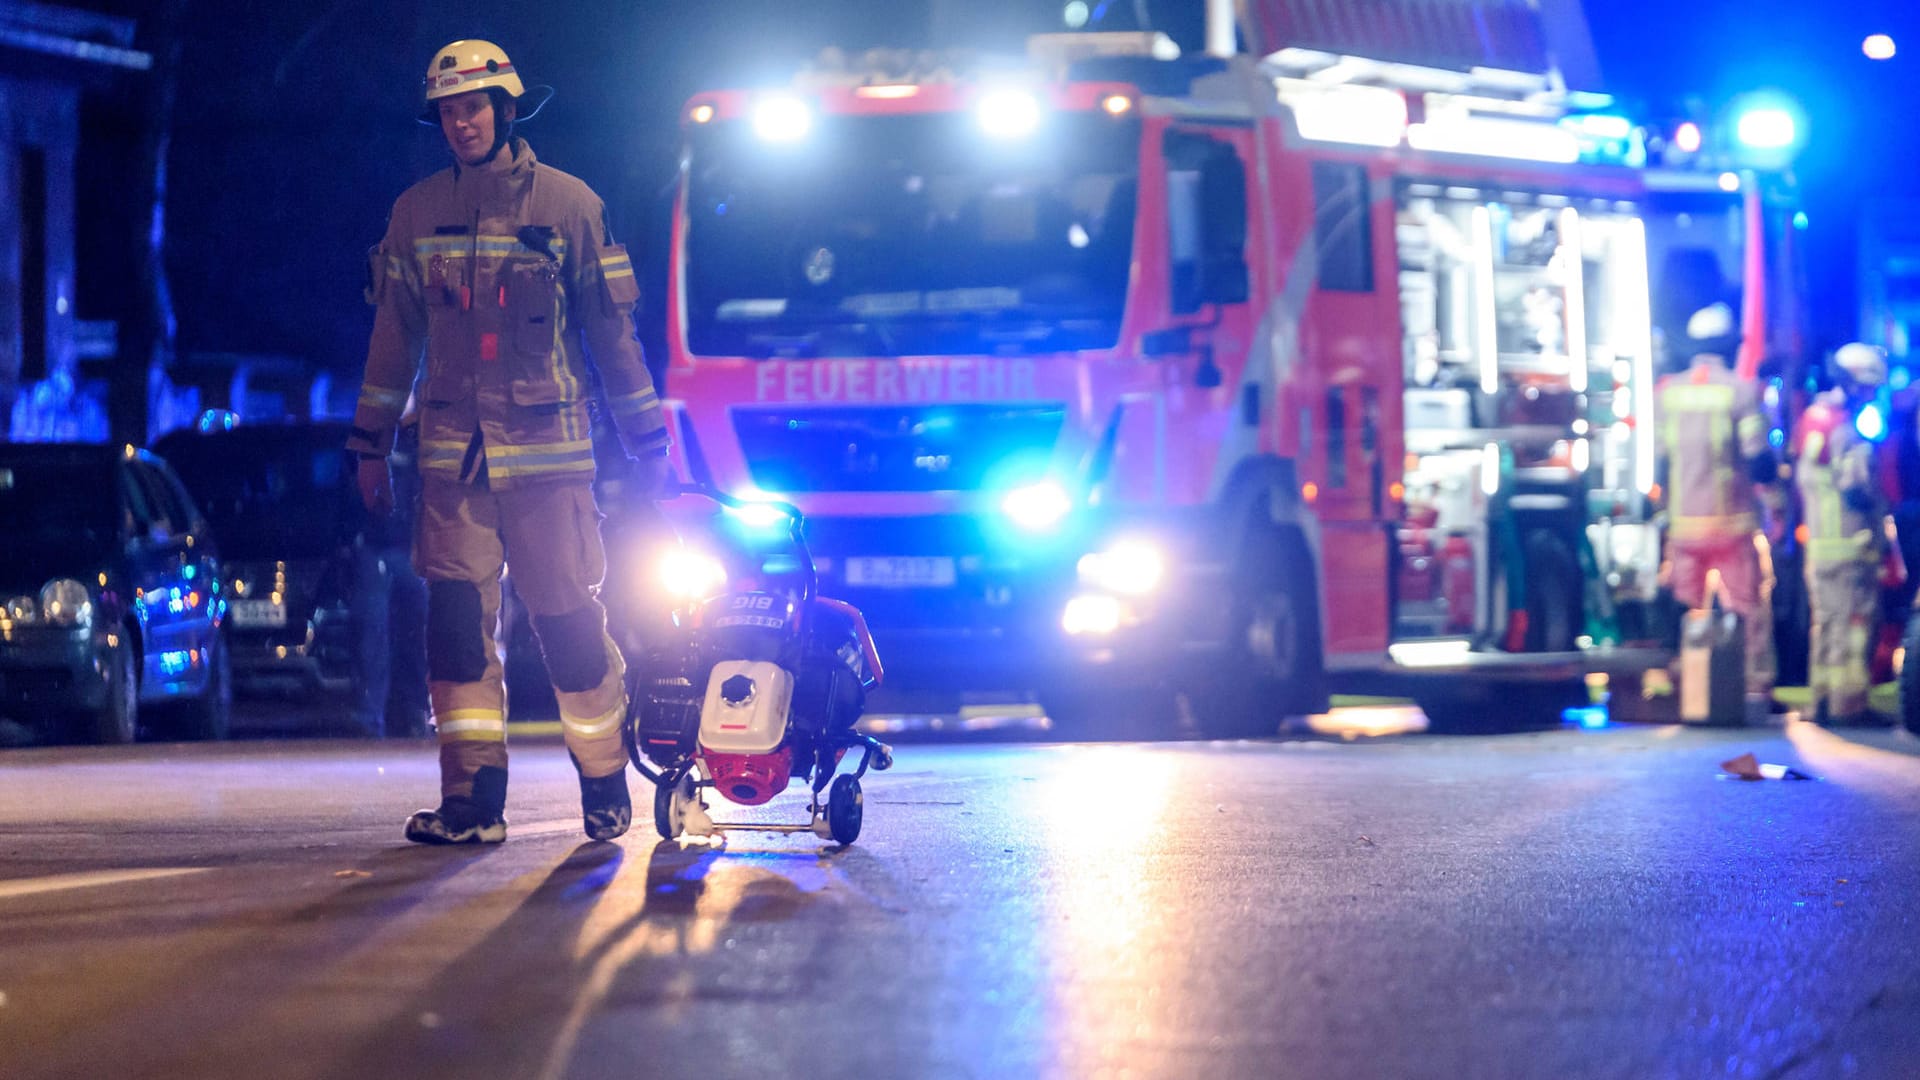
[911,448]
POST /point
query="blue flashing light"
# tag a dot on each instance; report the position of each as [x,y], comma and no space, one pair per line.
[1800,220]
[217,420]
[1767,127]
[189,571]
[1777,438]
[1037,507]
[1871,422]
[1602,125]
[759,513]
[1590,717]
[1899,378]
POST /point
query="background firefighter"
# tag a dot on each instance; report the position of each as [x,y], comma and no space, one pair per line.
[500,270]
[1846,545]
[1713,443]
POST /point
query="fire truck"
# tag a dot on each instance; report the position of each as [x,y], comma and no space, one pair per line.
[1185,383]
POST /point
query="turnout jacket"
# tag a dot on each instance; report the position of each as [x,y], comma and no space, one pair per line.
[1710,430]
[500,274]
[1833,468]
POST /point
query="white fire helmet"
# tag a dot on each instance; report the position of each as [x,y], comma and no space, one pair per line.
[1865,365]
[472,64]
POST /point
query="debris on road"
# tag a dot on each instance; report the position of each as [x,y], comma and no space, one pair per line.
[352,873]
[1748,767]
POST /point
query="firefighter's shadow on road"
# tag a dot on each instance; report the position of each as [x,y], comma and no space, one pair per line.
[599,934]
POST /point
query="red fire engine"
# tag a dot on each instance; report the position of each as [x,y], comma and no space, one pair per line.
[1127,376]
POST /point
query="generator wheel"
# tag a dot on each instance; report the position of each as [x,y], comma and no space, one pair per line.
[670,802]
[844,809]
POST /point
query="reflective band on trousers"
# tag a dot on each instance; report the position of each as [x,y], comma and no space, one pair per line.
[473,725]
[598,725]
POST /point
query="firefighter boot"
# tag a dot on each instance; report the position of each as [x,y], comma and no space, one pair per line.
[476,819]
[605,808]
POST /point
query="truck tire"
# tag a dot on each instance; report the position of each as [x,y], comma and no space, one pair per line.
[1469,706]
[1554,595]
[1272,666]
[1082,710]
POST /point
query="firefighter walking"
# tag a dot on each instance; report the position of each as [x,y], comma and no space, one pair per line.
[1714,444]
[1846,546]
[499,270]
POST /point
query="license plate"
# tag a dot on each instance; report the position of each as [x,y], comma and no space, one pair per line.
[251,613]
[901,572]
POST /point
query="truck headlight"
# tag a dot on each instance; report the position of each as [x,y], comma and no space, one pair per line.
[65,602]
[1091,614]
[691,575]
[1130,568]
[1037,507]
[782,120]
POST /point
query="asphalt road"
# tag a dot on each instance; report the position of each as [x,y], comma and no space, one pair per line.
[1561,904]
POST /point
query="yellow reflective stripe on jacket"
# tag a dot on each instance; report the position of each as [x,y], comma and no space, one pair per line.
[486,245]
[1835,549]
[625,405]
[376,397]
[540,459]
[443,455]
[472,725]
[556,359]
[1694,398]
[1710,526]
[615,266]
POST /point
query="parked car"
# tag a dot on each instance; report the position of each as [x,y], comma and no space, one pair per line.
[325,607]
[110,597]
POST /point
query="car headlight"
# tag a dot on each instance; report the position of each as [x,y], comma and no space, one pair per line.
[22,610]
[691,575]
[1130,568]
[65,602]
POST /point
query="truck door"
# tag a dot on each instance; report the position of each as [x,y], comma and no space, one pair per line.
[1347,402]
[1208,281]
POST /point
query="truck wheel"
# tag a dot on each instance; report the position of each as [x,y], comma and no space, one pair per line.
[1467,706]
[1272,665]
[1554,595]
[1080,711]
[1909,678]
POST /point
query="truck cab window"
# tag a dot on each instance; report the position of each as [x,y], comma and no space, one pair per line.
[1342,233]
[1206,222]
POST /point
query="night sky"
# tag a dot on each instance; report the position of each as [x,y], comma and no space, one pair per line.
[295,129]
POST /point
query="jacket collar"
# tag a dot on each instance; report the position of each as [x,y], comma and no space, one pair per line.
[503,177]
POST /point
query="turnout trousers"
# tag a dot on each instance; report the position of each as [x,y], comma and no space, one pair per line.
[1844,597]
[548,534]
[1746,583]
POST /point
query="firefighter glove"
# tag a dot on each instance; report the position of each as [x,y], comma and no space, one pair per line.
[376,485]
[651,475]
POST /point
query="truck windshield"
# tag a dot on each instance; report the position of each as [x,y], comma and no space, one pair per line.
[1695,247]
[910,235]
